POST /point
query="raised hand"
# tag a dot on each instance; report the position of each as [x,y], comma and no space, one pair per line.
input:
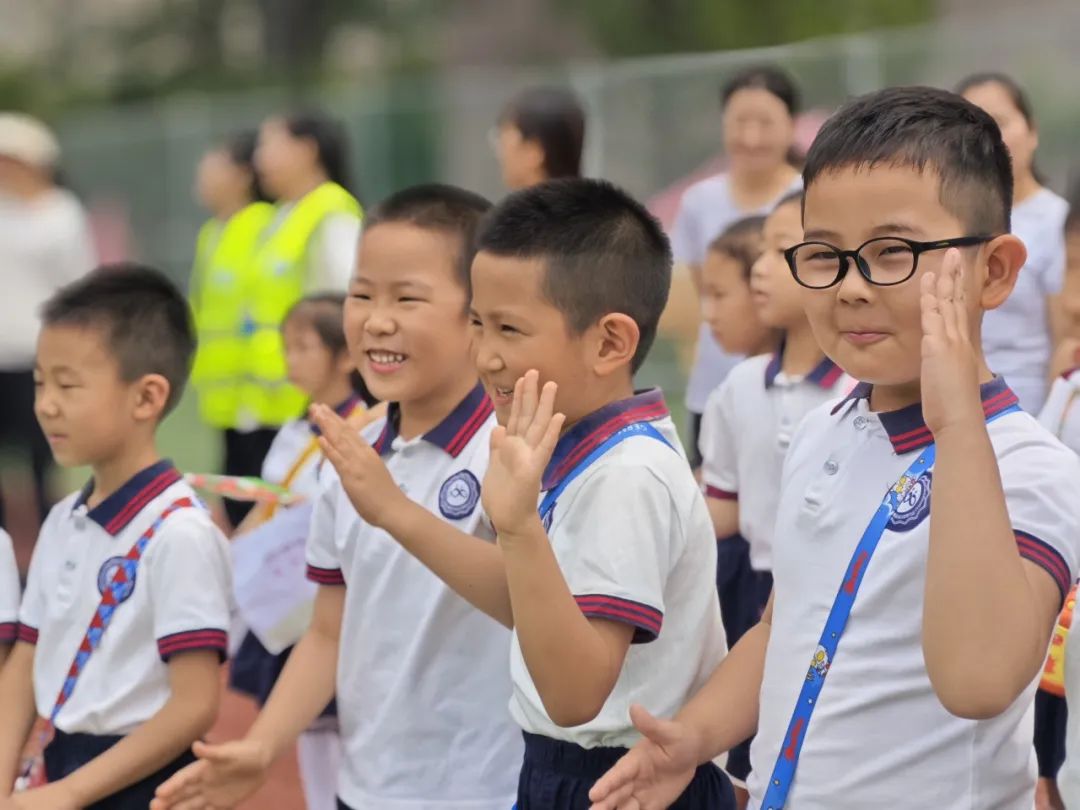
[223,777]
[655,772]
[950,366]
[363,474]
[520,452]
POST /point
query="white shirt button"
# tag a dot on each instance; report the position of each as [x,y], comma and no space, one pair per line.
[831,467]
[860,422]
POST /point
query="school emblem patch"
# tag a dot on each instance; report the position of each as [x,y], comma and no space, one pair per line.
[125,587]
[459,495]
[913,502]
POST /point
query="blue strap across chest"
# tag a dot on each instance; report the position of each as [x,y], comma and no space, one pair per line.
[824,656]
[619,436]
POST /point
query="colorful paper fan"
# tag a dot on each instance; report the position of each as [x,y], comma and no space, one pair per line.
[242,488]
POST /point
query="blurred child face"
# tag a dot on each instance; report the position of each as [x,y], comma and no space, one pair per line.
[406,321]
[726,305]
[1070,293]
[520,160]
[1019,136]
[283,160]
[220,183]
[758,130]
[774,290]
[517,329]
[312,367]
[875,333]
[86,411]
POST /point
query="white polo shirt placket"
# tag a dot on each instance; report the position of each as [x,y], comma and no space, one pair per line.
[422,683]
[633,538]
[879,737]
[179,601]
[746,431]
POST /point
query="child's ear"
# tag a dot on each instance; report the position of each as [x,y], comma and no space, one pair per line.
[617,339]
[151,393]
[1005,255]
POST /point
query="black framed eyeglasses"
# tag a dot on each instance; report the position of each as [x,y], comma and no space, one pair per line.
[884,261]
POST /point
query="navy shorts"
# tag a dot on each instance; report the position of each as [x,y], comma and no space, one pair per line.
[558,775]
[1051,715]
[69,752]
[743,593]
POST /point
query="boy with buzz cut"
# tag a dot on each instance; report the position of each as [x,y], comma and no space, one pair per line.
[927,528]
[419,675]
[605,561]
[123,624]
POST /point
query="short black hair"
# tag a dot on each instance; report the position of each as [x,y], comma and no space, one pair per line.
[741,241]
[554,118]
[145,319]
[437,207]
[324,312]
[764,77]
[602,251]
[240,147]
[926,129]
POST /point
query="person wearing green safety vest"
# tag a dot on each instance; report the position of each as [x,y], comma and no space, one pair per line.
[304,244]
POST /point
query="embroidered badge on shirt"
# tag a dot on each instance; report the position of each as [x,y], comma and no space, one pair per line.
[914,502]
[125,584]
[459,495]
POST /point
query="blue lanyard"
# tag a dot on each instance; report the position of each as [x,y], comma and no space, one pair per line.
[621,435]
[825,654]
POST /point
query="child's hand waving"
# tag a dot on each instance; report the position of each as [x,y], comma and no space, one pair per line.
[950,368]
[520,452]
[363,474]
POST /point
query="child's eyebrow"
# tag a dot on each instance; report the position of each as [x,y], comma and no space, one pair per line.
[891,228]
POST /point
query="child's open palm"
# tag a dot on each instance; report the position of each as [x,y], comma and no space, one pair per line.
[950,370]
[520,452]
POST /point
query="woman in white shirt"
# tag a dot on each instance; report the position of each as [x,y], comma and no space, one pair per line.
[44,244]
[1020,335]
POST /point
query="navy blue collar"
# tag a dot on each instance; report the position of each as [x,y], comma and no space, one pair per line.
[452,434]
[825,374]
[342,409]
[582,438]
[121,507]
[906,428]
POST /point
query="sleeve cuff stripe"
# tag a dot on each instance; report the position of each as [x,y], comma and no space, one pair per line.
[27,634]
[194,639]
[325,576]
[9,631]
[1046,556]
[624,610]
[720,494]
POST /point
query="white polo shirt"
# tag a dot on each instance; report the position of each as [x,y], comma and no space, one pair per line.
[421,681]
[745,433]
[635,543]
[879,736]
[9,591]
[1061,413]
[179,601]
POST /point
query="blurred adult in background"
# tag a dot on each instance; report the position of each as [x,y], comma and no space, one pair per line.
[1020,335]
[759,107]
[539,136]
[45,243]
[307,245]
[1067,353]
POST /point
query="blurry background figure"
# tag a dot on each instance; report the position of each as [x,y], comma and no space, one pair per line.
[540,136]
[44,244]
[1067,353]
[1020,335]
[308,245]
[759,107]
[221,282]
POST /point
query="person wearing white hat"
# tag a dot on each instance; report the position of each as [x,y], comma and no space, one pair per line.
[44,244]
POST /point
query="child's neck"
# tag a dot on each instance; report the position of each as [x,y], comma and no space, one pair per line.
[1025,187]
[802,354]
[885,398]
[613,391]
[333,394]
[769,345]
[420,416]
[113,473]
